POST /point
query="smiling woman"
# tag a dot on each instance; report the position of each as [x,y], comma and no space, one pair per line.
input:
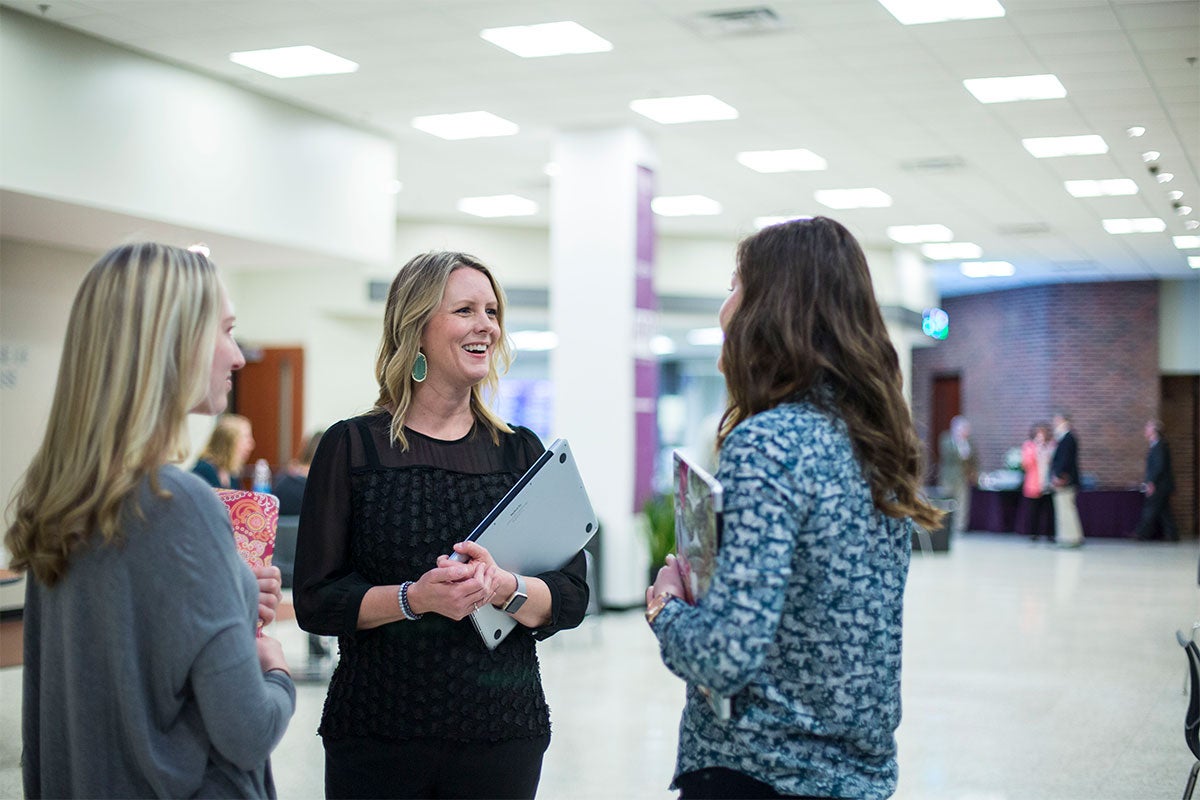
[390,495]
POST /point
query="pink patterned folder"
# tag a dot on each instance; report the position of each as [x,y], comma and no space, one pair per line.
[255,518]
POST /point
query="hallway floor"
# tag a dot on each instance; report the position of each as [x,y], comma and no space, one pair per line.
[1030,673]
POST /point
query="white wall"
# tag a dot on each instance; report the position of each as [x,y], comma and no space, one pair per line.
[37,286]
[99,126]
[1179,327]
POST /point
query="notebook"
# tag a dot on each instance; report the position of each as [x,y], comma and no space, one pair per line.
[698,524]
[543,521]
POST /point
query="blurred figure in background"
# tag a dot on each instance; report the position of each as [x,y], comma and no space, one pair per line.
[1157,520]
[1036,453]
[1064,479]
[228,449]
[289,486]
[958,462]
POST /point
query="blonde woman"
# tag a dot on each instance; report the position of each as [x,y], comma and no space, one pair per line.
[228,449]
[143,676]
[389,495]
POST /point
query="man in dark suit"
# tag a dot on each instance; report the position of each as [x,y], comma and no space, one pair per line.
[1064,479]
[1158,485]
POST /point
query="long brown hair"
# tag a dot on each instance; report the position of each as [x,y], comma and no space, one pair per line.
[808,318]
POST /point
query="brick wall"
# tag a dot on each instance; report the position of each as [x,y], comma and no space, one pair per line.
[1088,348]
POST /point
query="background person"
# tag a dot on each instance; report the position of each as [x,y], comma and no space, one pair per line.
[819,461]
[1064,479]
[289,485]
[389,495]
[142,676]
[1036,453]
[228,449]
[958,465]
[1157,519]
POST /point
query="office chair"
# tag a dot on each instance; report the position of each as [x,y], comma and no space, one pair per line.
[315,669]
[1191,720]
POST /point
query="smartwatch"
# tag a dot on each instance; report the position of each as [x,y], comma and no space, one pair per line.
[514,603]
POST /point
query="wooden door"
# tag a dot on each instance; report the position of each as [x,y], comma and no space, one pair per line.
[1180,411]
[946,405]
[269,391]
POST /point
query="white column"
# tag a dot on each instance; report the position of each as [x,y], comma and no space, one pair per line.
[601,258]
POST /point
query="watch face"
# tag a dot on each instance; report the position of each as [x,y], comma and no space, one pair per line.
[514,604]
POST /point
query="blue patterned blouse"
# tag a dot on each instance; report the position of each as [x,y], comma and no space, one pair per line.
[801,624]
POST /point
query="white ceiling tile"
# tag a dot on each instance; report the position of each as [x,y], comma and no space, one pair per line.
[842,78]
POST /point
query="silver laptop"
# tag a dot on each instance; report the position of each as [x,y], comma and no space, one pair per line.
[538,526]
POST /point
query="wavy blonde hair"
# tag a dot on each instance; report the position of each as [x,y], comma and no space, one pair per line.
[415,294]
[221,450]
[808,318]
[137,357]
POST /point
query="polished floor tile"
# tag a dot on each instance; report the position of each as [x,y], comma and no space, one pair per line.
[1029,674]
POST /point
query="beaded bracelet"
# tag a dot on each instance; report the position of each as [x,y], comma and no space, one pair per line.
[405,608]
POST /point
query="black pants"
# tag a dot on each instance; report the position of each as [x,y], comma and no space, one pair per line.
[433,768]
[1157,518]
[1040,516]
[719,783]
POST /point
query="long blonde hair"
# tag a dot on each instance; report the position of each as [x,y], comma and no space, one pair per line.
[137,358]
[414,295]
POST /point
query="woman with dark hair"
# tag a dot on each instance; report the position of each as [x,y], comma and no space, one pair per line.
[418,706]
[820,465]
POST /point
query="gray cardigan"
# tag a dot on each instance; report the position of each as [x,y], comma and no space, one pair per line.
[141,673]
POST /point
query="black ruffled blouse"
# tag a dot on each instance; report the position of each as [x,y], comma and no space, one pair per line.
[376,515]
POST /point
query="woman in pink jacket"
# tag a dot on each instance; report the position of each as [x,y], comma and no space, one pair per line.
[1035,460]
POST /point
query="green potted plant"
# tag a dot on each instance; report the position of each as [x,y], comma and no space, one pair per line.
[660,529]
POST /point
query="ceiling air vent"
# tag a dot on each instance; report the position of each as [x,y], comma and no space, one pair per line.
[1024,229]
[934,164]
[738,22]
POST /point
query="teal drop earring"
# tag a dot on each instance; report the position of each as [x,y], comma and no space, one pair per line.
[420,368]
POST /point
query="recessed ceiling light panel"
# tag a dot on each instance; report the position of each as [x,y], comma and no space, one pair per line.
[688,205]
[1194,262]
[919,234]
[300,61]
[768,221]
[1139,225]
[465,125]
[1106,187]
[920,12]
[986,269]
[1020,87]
[547,39]
[501,205]
[842,199]
[1186,242]
[1058,146]
[799,160]
[691,108]
[951,251]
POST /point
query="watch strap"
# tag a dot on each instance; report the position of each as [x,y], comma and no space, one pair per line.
[513,604]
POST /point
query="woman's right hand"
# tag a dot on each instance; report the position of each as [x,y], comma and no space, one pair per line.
[270,654]
[453,591]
